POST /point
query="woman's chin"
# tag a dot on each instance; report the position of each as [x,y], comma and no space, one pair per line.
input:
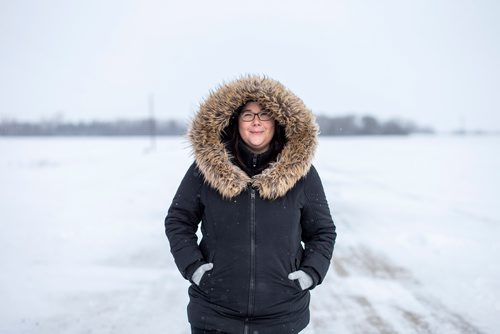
[257,147]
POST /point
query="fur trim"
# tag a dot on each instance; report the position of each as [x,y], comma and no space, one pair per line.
[213,117]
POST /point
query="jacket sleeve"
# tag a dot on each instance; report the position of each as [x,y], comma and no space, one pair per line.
[318,229]
[182,221]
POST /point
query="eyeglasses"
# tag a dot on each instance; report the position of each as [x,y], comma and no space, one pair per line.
[248,116]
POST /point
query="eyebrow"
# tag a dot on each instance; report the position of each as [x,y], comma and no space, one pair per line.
[252,111]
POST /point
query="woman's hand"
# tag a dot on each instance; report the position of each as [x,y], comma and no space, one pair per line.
[198,273]
[305,280]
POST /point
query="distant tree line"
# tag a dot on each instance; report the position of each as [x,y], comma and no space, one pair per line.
[329,126]
[144,127]
[351,125]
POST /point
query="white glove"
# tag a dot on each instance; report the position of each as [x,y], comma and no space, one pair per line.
[305,280]
[198,273]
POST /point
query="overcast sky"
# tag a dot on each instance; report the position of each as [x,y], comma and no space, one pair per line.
[436,62]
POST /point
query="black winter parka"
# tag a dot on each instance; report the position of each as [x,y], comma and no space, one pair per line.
[256,230]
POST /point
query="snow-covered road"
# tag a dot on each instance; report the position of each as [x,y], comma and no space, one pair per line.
[82,248]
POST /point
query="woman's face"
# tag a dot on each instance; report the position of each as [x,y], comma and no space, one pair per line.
[257,134]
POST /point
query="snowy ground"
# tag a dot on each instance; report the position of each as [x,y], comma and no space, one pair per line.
[82,248]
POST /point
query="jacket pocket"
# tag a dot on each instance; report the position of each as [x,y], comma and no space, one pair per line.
[296,261]
[295,282]
[205,282]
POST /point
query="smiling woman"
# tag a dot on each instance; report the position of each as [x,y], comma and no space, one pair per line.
[258,198]
[256,127]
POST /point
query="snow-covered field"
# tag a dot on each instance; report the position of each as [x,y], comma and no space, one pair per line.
[82,247]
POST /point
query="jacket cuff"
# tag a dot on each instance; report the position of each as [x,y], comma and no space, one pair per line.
[192,268]
[314,275]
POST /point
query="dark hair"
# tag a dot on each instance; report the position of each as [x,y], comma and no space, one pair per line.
[230,136]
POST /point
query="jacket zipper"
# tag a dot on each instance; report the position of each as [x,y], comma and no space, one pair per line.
[251,291]
[245,331]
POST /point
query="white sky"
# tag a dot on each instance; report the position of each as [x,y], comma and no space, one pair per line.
[432,61]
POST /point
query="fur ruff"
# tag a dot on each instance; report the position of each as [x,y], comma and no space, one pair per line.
[212,158]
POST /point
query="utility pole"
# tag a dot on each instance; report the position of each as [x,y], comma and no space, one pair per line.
[463,130]
[152,122]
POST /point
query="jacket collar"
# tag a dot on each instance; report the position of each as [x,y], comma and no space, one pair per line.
[252,163]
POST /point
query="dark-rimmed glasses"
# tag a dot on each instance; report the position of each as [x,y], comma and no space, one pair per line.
[248,116]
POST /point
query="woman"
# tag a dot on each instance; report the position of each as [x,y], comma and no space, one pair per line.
[257,196]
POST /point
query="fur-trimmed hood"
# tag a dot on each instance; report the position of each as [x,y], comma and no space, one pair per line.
[214,160]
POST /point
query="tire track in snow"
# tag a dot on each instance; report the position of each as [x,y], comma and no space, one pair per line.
[366,293]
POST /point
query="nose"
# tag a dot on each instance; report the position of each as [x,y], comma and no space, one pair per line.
[256,120]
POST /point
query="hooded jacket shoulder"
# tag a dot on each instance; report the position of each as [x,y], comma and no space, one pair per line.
[214,160]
